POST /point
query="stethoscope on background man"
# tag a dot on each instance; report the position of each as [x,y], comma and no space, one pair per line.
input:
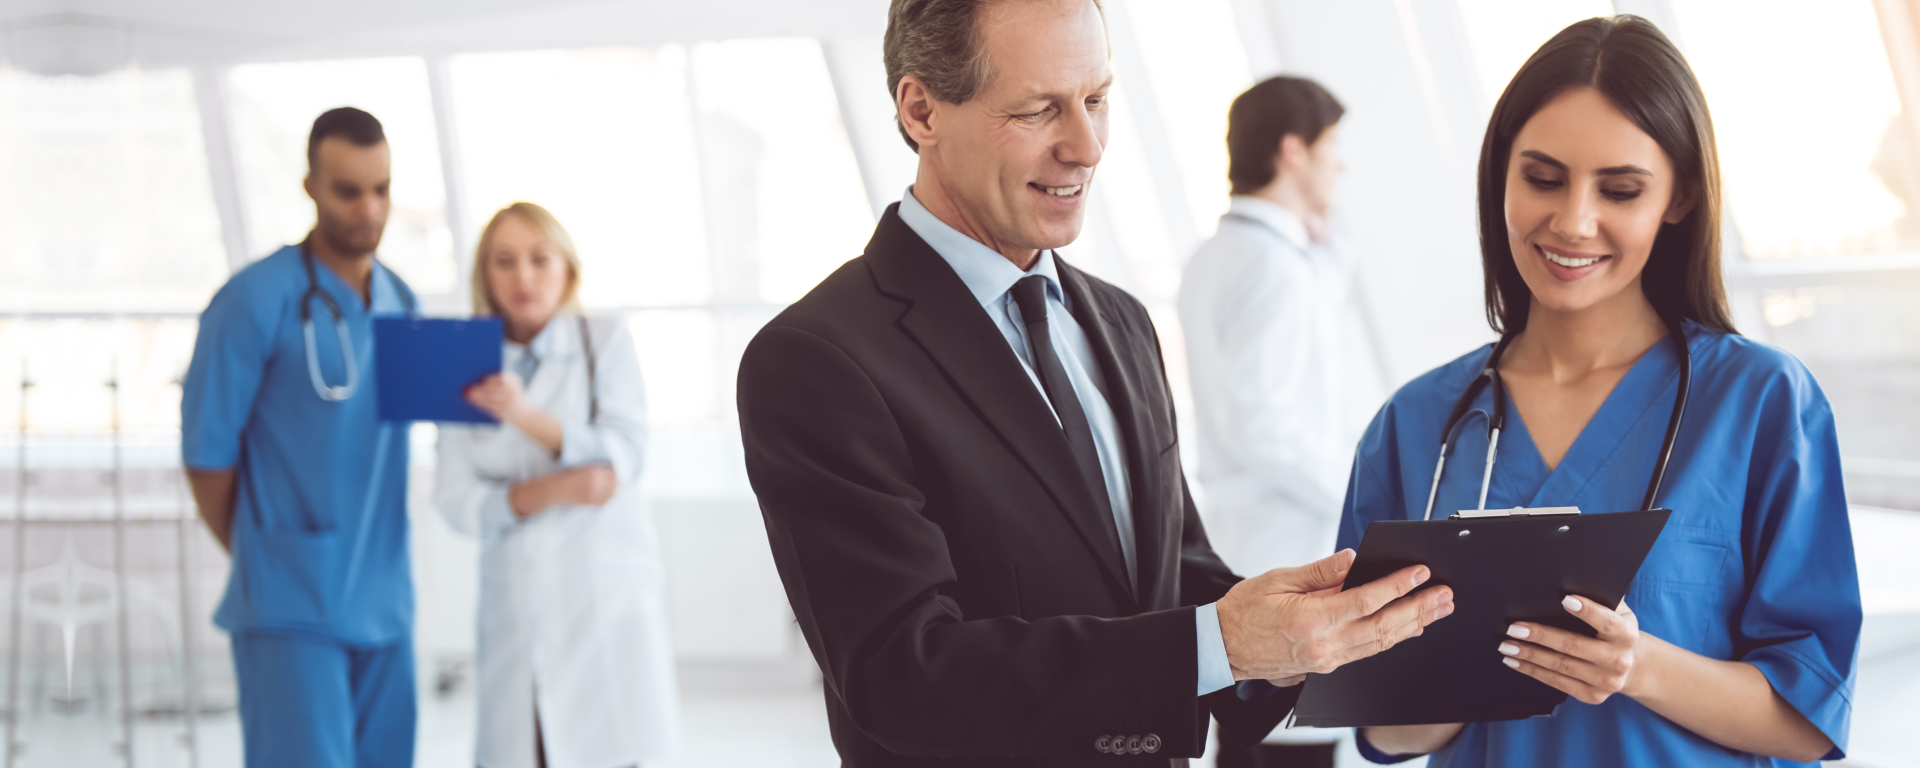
[1490,376]
[335,393]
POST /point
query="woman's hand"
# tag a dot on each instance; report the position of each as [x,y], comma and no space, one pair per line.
[590,485]
[502,395]
[1590,669]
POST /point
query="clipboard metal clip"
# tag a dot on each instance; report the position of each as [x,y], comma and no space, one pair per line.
[1468,514]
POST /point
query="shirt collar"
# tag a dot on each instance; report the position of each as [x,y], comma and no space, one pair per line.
[1266,212]
[987,274]
[543,343]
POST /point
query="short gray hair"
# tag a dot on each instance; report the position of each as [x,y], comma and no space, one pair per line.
[939,42]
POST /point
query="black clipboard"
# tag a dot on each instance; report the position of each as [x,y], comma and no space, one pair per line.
[1502,570]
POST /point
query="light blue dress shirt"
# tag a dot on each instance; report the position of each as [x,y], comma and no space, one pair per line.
[991,277]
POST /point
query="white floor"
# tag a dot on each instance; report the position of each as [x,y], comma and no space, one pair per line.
[771,715]
[784,726]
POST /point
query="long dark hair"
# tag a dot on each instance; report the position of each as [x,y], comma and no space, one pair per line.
[1630,62]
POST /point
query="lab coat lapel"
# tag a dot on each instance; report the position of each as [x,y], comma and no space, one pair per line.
[1126,368]
[1605,459]
[949,324]
[554,347]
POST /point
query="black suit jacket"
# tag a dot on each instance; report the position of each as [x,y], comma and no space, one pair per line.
[962,593]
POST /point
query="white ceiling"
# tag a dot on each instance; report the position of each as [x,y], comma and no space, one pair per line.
[92,36]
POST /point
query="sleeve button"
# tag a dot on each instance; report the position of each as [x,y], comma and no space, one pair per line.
[1103,744]
[1151,743]
[1133,746]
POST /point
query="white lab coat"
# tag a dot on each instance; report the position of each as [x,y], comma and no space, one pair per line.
[1267,319]
[572,601]
[1264,313]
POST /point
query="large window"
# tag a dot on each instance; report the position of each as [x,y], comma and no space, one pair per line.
[1504,33]
[107,201]
[1196,66]
[273,110]
[603,139]
[787,193]
[1815,161]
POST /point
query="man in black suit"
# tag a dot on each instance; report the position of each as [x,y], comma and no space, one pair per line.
[964,451]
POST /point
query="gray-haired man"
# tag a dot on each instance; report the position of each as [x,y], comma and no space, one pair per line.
[963,449]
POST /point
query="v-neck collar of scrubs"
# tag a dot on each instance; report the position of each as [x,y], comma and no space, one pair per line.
[1521,467]
[382,294]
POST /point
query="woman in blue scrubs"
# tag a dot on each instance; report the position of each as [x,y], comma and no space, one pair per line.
[1600,218]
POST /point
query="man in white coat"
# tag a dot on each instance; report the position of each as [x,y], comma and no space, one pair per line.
[1264,304]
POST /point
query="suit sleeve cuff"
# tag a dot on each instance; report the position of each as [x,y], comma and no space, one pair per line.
[1215,672]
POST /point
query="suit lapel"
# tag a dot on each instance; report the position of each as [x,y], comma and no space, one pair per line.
[950,325]
[1122,363]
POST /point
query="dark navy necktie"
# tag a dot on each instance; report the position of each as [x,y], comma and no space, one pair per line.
[1031,294]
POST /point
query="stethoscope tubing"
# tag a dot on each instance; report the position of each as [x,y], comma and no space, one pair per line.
[331,393]
[1490,376]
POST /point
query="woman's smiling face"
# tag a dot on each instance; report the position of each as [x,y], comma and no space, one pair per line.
[1586,193]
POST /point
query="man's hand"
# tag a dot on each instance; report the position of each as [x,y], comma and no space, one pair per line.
[213,494]
[1287,622]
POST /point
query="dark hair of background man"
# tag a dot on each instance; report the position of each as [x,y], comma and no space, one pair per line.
[1270,110]
[354,125]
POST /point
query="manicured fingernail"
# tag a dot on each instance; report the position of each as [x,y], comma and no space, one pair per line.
[1517,631]
[1510,649]
[1572,603]
[1511,662]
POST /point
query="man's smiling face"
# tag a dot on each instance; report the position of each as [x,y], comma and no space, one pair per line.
[1015,161]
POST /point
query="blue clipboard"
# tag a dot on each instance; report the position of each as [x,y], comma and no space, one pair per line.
[423,366]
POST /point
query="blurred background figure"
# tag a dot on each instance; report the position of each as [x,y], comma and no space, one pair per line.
[1264,306]
[574,661]
[293,470]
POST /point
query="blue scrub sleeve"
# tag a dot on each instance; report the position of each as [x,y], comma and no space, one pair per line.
[1800,624]
[229,360]
[1369,498]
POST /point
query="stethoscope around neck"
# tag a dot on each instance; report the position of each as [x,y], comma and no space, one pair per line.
[333,393]
[1497,420]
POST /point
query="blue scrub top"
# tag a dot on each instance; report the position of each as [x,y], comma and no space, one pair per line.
[1756,564]
[320,515]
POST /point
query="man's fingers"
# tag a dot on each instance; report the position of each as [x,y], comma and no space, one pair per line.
[1369,598]
[1326,573]
[1404,618]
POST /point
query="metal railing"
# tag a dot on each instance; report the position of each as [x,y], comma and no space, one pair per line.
[72,594]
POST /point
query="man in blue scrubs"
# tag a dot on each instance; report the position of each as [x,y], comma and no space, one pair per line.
[296,475]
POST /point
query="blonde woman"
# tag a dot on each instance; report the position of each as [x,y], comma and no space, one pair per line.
[574,665]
